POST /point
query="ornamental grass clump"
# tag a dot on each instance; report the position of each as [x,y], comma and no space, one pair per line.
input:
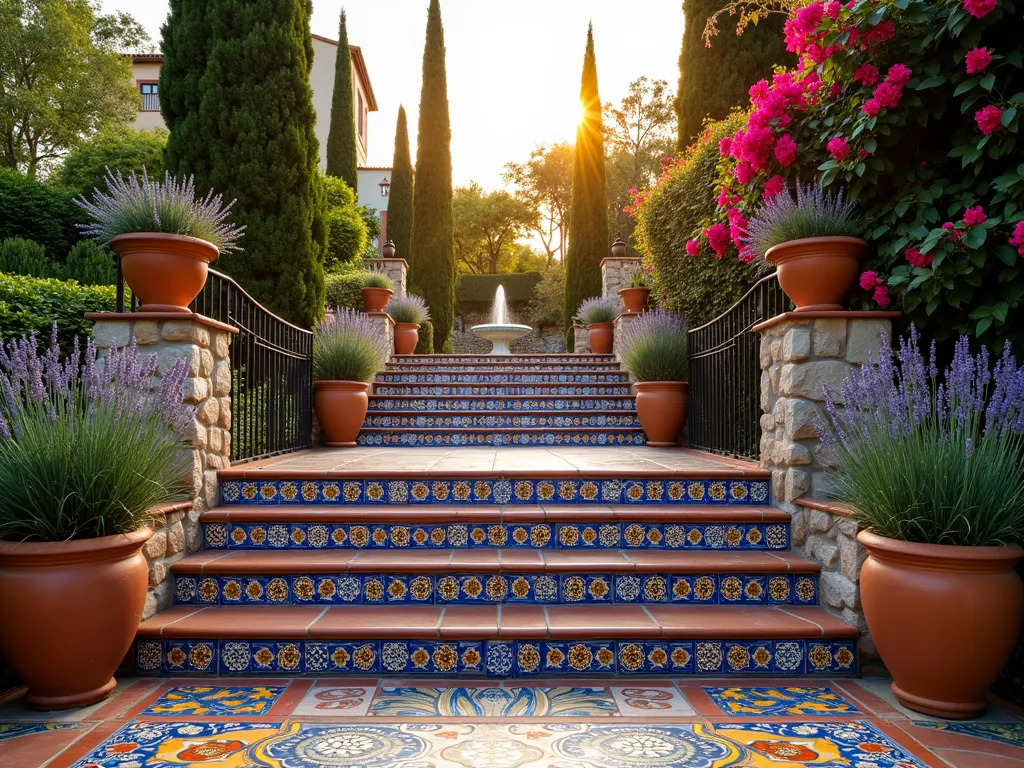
[595,310]
[927,459]
[348,346]
[653,347]
[142,205]
[371,278]
[87,446]
[812,213]
[408,309]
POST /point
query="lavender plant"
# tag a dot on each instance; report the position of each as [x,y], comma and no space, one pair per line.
[371,278]
[348,346]
[408,309]
[928,459]
[87,446]
[812,213]
[595,310]
[143,205]
[653,347]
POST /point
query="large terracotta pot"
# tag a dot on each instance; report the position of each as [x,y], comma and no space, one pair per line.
[407,335]
[817,272]
[164,271]
[661,407]
[634,299]
[375,299]
[69,614]
[600,337]
[944,619]
[340,409]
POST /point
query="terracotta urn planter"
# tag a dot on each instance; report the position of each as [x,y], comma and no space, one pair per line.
[407,335]
[817,272]
[600,337]
[634,299]
[340,408]
[166,272]
[944,619]
[70,611]
[661,407]
[375,299]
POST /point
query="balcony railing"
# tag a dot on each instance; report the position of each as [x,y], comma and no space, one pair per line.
[150,102]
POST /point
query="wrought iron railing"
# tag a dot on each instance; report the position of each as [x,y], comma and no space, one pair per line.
[150,102]
[271,373]
[725,374]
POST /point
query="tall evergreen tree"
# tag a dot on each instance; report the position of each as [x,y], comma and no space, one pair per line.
[400,200]
[250,61]
[713,80]
[341,139]
[588,220]
[433,240]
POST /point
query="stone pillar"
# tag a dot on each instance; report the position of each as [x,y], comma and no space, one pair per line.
[581,341]
[204,343]
[387,326]
[396,269]
[801,353]
[616,272]
[621,322]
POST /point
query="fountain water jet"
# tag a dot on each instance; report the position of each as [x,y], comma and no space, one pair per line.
[500,332]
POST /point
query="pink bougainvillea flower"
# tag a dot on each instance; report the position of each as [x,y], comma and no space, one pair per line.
[1018,238]
[692,248]
[832,9]
[866,74]
[977,60]
[723,198]
[888,94]
[718,238]
[838,148]
[974,216]
[881,296]
[774,186]
[744,173]
[979,8]
[724,145]
[785,150]
[989,119]
[898,75]
[869,279]
[835,90]
[948,225]
[916,258]
[872,107]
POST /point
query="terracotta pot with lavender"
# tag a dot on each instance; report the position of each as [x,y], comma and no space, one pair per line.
[814,242]
[635,295]
[597,315]
[73,579]
[377,289]
[653,350]
[348,350]
[409,313]
[163,235]
[942,599]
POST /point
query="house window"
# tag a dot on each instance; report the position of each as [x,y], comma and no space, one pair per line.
[150,96]
[361,119]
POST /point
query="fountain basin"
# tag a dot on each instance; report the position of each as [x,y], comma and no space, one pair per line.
[500,335]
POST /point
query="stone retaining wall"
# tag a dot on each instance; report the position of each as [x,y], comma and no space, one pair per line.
[616,272]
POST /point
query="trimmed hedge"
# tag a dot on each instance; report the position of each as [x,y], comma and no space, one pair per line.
[37,212]
[480,289]
[673,212]
[425,345]
[30,304]
[24,257]
[344,289]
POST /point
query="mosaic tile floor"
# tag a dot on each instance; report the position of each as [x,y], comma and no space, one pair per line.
[369,723]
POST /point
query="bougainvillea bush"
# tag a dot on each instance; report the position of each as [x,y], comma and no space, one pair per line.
[912,106]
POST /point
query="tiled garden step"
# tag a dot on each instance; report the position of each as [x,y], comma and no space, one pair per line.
[500,377]
[503,389]
[492,404]
[500,641]
[546,359]
[398,364]
[498,420]
[417,436]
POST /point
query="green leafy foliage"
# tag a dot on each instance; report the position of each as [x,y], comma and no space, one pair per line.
[546,307]
[480,289]
[588,221]
[341,137]
[32,305]
[400,203]
[87,263]
[118,148]
[247,131]
[425,342]
[23,257]
[35,211]
[90,264]
[346,230]
[713,80]
[674,211]
[433,241]
[343,290]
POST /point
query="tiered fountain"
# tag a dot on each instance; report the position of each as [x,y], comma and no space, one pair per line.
[500,332]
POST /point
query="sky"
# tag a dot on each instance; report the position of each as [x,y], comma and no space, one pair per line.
[513,67]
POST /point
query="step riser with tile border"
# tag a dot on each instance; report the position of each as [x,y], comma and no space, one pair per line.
[499,360]
[490,420]
[449,437]
[501,378]
[562,405]
[504,390]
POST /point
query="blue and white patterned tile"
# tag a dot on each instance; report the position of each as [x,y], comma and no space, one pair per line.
[563,701]
[578,657]
[752,657]
[586,588]
[186,656]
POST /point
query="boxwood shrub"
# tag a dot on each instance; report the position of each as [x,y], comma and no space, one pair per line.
[35,211]
[30,304]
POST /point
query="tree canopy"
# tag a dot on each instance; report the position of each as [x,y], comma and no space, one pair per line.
[487,225]
[118,148]
[545,182]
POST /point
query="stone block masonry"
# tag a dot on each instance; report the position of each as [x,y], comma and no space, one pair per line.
[616,273]
[801,354]
[396,269]
[205,344]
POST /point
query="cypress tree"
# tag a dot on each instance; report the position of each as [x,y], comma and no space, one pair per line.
[240,112]
[433,236]
[712,81]
[341,139]
[588,220]
[400,200]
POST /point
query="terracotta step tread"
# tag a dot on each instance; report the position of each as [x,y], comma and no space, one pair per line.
[471,622]
[508,397]
[530,470]
[505,412]
[337,561]
[471,369]
[434,514]
[527,430]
